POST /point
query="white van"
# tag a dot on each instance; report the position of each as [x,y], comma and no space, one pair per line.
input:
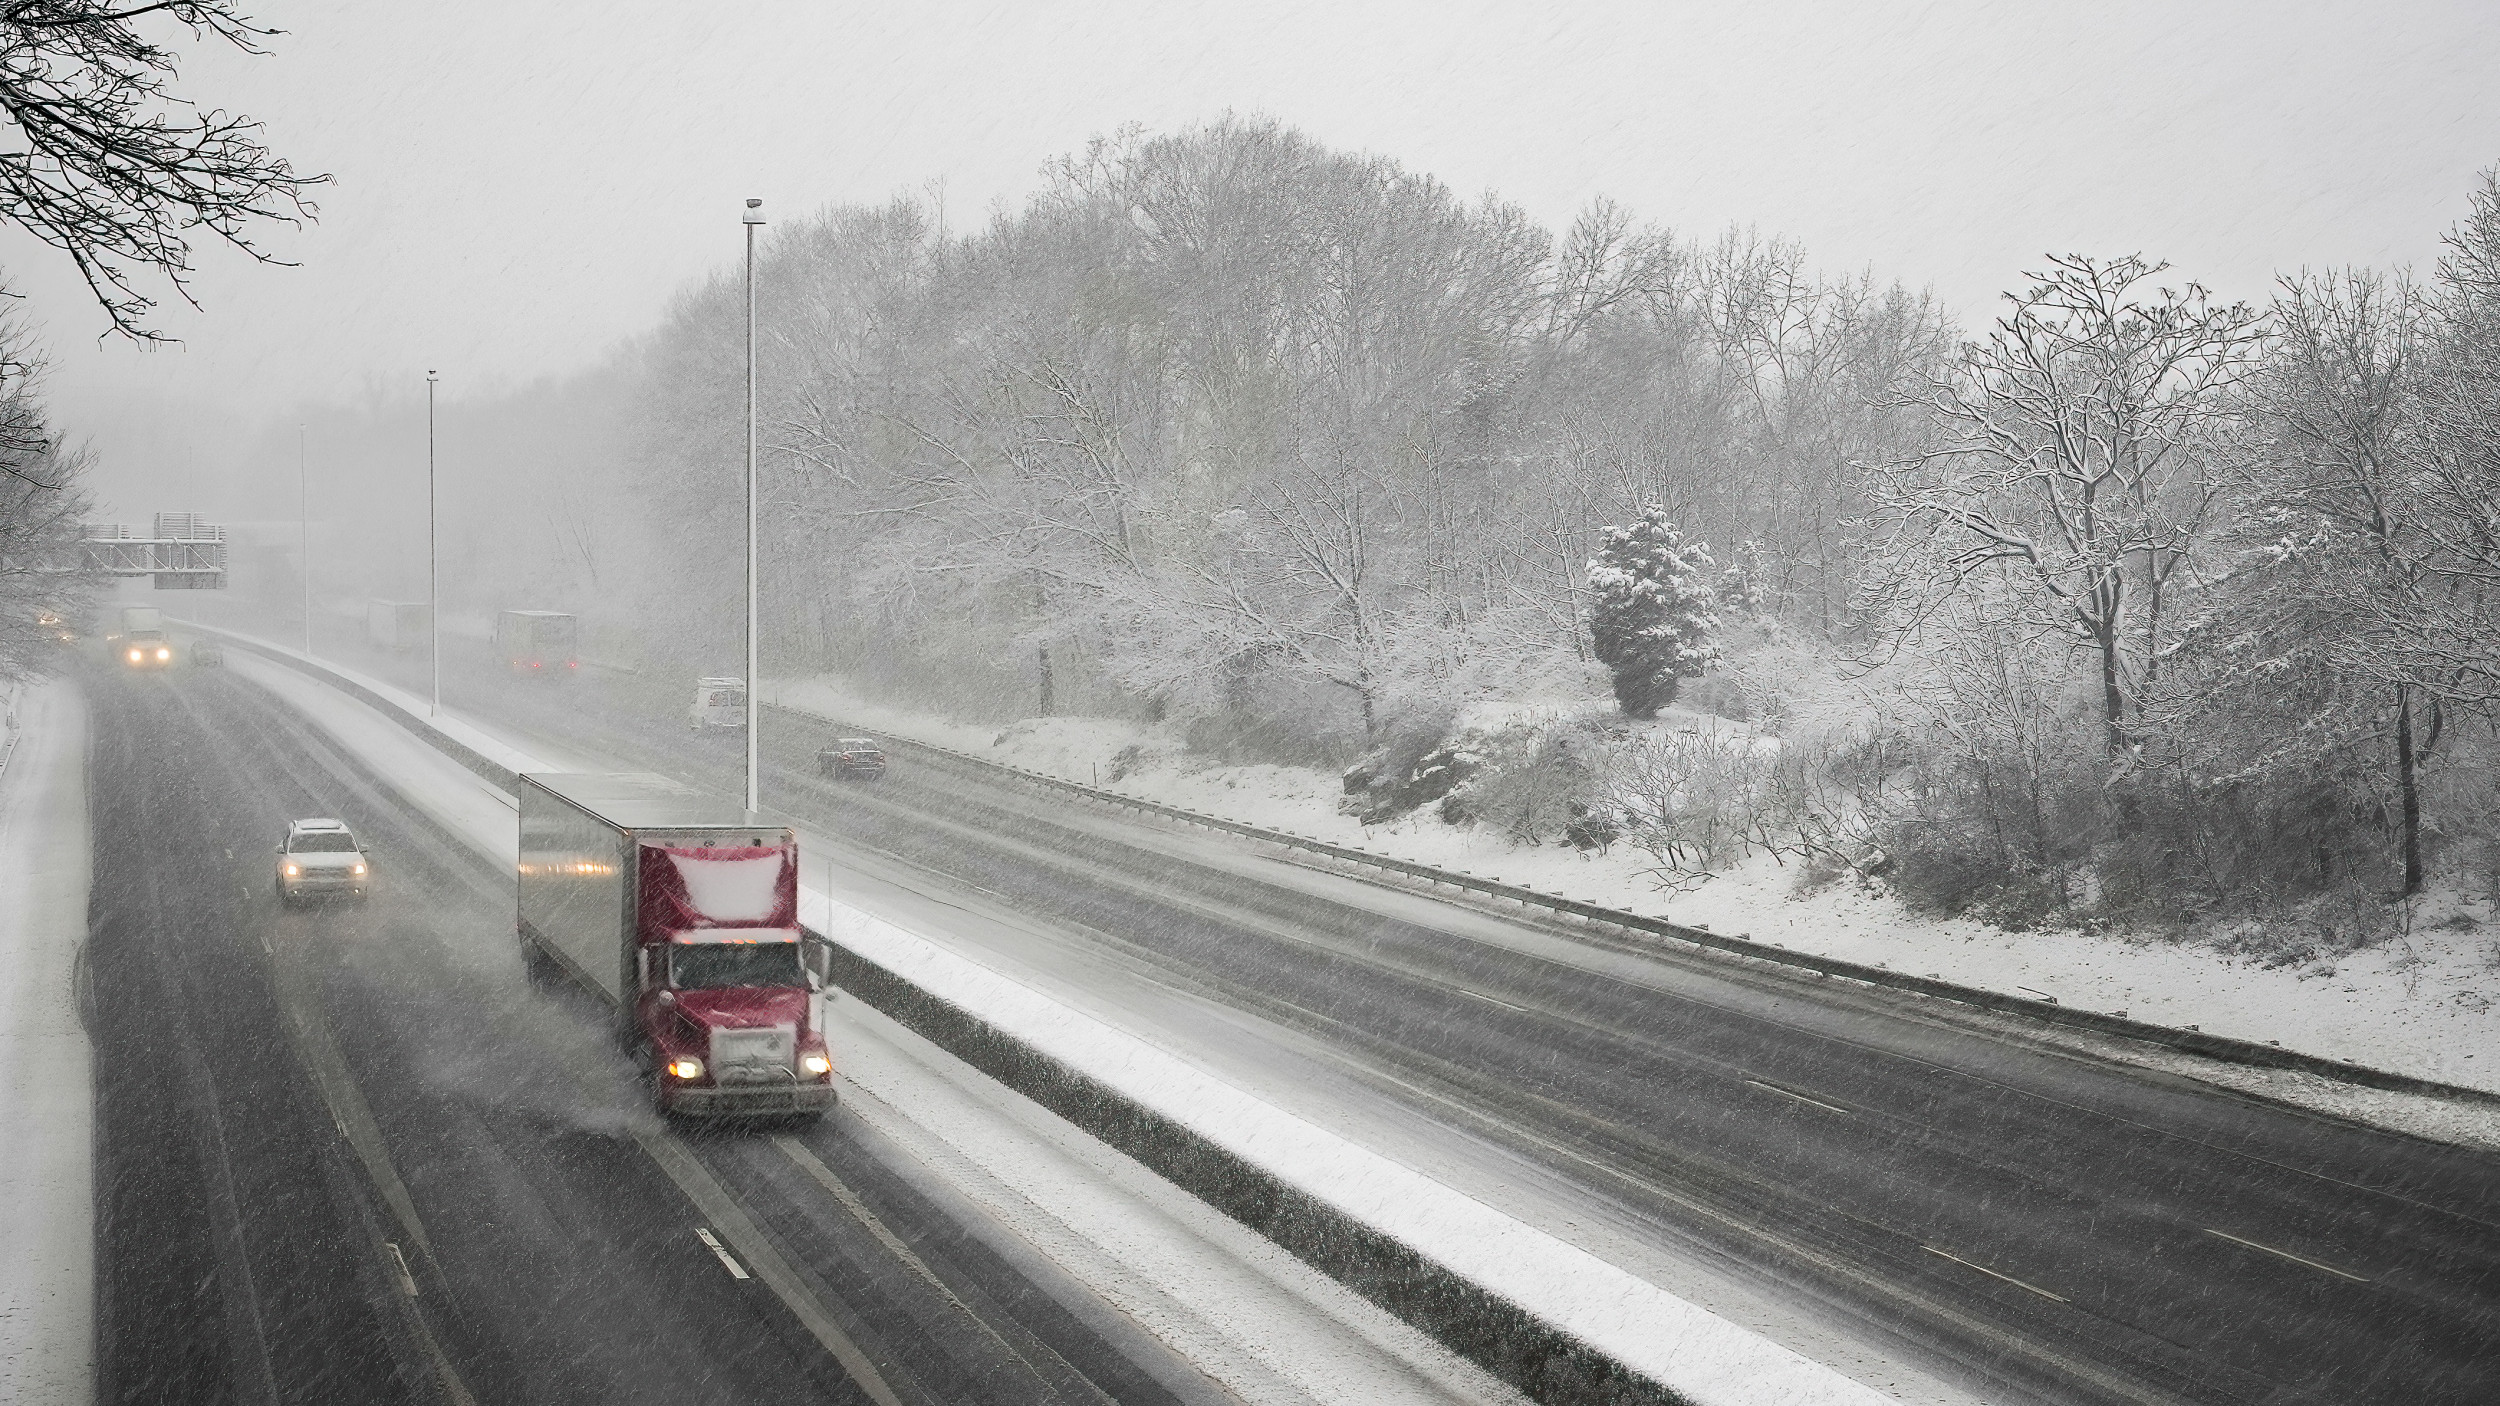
[718,703]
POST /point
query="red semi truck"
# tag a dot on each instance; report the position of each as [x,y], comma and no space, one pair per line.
[683,911]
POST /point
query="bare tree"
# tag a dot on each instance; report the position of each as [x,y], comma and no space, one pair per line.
[2073,455]
[110,167]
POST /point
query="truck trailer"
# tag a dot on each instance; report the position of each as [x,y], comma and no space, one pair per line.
[398,624]
[681,911]
[537,642]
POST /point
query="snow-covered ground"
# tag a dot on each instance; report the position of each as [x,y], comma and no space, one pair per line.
[47,1264]
[1264,1309]
[2423,1005]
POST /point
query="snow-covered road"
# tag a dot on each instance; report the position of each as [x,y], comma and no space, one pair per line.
[46,1271]
[1235,1296]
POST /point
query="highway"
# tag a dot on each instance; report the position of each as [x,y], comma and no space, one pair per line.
[2033,1225]
[346,1154]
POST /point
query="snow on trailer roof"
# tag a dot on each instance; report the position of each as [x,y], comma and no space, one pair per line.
[323,824]
[646,800]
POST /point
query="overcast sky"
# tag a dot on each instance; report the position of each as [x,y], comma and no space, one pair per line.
[522,183]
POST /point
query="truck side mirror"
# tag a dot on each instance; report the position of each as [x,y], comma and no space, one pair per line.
[666,997]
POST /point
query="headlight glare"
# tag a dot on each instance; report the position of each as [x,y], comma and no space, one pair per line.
[358,869]
[164,654]
[685,1067]
[816,1062]
[134,656]
[292,871]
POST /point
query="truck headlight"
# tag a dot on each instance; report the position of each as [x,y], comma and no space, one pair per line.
[292,871]
[816,1062]
[134,656]
[164,654]
[685,1067]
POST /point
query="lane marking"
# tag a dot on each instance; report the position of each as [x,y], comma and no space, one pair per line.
[1505,1005]
[1801,1098]
[712,1243]
[824,1176]
[2008,1278]
[2286,1254]
[399,1261]
[715,1204]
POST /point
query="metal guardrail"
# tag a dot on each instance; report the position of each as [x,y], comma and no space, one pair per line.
[2197,1042]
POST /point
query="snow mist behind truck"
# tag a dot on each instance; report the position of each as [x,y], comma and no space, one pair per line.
[682,911]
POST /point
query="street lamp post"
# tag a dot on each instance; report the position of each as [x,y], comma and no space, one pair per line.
[753,219]
[433,585]
[303,521]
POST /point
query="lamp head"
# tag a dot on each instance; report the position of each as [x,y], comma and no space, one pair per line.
[753,214]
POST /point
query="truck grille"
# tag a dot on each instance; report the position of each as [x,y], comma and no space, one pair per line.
[765,1055]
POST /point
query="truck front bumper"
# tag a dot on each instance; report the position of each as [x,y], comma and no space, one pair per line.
[749,1100]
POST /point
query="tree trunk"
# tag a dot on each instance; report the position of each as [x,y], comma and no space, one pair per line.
[1042,658]
[2113,697]
[2409,792]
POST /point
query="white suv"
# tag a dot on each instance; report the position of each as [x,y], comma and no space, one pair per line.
[321,857]
[718,703]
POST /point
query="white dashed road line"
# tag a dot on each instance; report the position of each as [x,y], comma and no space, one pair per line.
[2008,1278]
[712,1243]
[2288,1255]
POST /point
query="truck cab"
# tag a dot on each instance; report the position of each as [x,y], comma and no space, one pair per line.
[726,1014]
[144,649]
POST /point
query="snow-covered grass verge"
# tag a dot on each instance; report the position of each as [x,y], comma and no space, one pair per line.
[1696,1353]
[46,1235]
[2422,1005]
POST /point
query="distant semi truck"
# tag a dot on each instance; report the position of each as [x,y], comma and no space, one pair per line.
[537,642]
[398,624]
[682,911]
[142,643]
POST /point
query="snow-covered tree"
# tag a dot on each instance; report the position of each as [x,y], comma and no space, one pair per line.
[1650,611]
[1745,588]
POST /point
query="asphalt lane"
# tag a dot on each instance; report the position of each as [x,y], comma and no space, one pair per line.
[346,1153]
[2048,1227]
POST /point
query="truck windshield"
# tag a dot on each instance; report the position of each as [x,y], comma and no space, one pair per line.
[325,842]
[710,966]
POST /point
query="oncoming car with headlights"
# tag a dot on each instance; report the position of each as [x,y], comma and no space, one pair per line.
[320,859]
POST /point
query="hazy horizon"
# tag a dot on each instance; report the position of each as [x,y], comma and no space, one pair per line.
[609,161]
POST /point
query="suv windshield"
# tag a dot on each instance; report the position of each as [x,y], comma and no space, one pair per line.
[324,842]
[709,966]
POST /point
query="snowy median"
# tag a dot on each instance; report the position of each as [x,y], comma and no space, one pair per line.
[1617,1316]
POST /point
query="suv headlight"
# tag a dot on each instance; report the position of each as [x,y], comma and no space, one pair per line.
[359,868]
[164,654]
[685,1067]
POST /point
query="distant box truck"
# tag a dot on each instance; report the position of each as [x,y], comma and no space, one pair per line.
[537,642]
[398,624]
[681,911]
